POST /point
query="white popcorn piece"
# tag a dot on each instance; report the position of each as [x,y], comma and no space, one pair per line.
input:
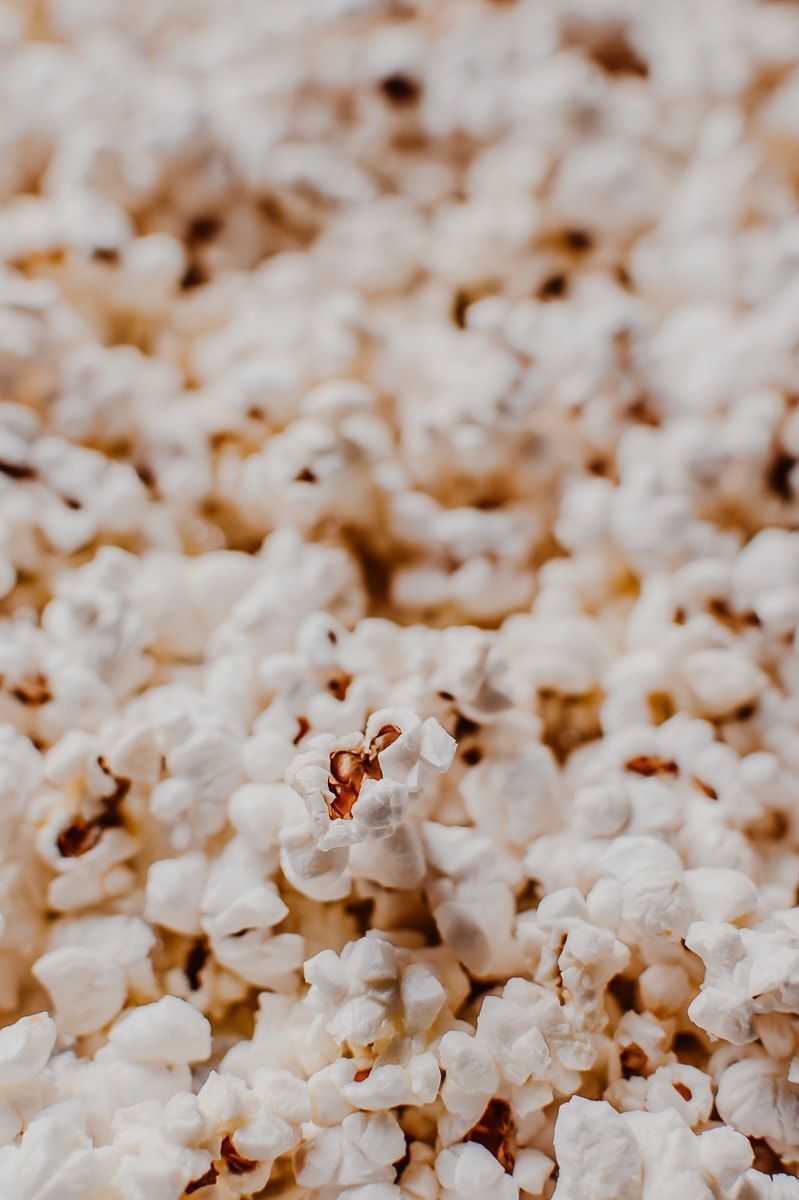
[173,895]
[471,1170]
[357,791]
[722,681]
[86,987]
[360,1151]
[748,971]
[597,1153]
[755,1097]
[169,1031]
[25,1048]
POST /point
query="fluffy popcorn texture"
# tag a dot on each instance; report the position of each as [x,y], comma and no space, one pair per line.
[399,593]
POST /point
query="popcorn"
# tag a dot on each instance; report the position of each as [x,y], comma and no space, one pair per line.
[54,1152]
[723,682]
[165,1129]
[357,791]
[250,1127]
[25,1048]
[683,1088]
[755,1096]
[602,1142]
[242,940]
[360,1151]
[399,590]
[470,1170]
[173,895]
[374,996]
[169,1031]
[591,1133]
[86,987]
[747,971]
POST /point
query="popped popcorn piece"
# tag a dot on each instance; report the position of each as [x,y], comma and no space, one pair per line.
[86,987]
[169,1031]
[25,1048]
[748,971]
[357,791]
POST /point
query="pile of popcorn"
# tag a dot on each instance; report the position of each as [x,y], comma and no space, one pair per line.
[399,593]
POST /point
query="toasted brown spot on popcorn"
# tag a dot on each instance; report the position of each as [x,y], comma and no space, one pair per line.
[193,277]
[569,720]
[400,1164]
[361,1074]
[303,725]
[721,610]
[348,769]
[338,685]
[107,255]
[561,989]
[778,476]
[32,690]
[683,1090]
[400,90]
[643,412]
[578,240]
[111,803]
[495,1131]
[709,791]
[465,297]
[361,912]
[83,833]
[651,764]
[554,288]
[386,736]
[306,475]
[78,838]
[237,1164]
[207,1179]
[624,991]
[460,303]
[204,229]
[771,826]
[196,960]
[613,53]
[15,470]
[530,895]
[623,277]
[346,777]
[661,707]
[767,1160]
[689,1049]
[463,727]
[744,712]
[633,1060]
[145,474]
[37,260]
